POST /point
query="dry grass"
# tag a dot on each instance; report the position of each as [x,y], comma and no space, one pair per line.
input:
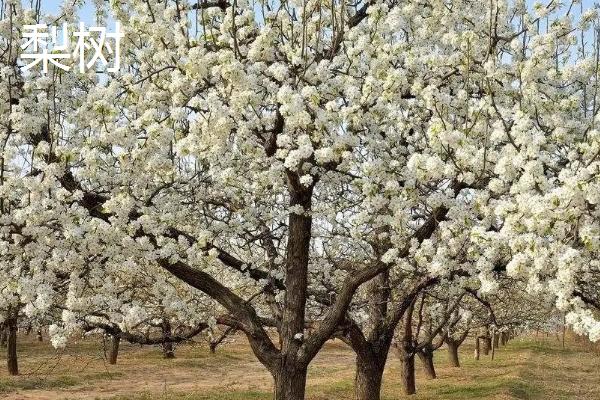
[529,368]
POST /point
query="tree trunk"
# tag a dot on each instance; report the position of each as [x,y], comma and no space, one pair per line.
[168,350]
[477,347]
[167,347]
[564,330]
[3,335]
[407,371]
[426,357]
[453,353]
[11,348]
[114,349]
[290,383]
[487,345]
[406,353]
[40,337]
[408,374]
[496,340]
[369,374]
[290,375]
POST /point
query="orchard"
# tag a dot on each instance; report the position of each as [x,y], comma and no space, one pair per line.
[397,181]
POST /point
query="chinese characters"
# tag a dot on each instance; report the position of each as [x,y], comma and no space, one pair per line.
[86,47]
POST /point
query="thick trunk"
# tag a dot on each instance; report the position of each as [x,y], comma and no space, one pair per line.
[406,353]
[114,349]
[296,269]
[372,354]
[477,347]
[426,357]
[11,348]
[453,353]
[408,374]
[290,374]
[290,383]
[369,374]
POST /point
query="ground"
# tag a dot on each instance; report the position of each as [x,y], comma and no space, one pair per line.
[530,367]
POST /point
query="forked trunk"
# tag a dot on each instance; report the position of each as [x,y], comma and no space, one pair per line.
[114,349]
[290,383]
[453,353]
[369,374]
[426,357]
[11,348]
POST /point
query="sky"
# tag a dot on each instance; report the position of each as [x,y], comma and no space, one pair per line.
[87,11]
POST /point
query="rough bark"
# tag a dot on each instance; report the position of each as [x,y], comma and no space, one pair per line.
[168,350]
[290,373]
[453,353]
[114,349]
[406,352]
[296,268]
[372,348]
[426,357]
[487,345]
[11,348]
[290,382]
[408,373]
[167,346]
[3,335]
[369,374]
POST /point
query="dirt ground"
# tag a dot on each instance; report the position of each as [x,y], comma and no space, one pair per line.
[528,368]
